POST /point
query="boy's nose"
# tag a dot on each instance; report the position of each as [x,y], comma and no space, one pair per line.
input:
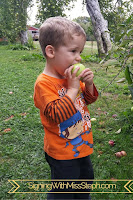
[78,58]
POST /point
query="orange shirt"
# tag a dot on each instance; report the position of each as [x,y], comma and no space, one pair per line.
[67,125]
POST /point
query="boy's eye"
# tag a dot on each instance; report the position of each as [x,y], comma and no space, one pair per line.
[73,50]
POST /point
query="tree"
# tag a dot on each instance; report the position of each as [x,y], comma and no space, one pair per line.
[115,12]
[121,55]
[85,23]
[50,8]
[13,19]
[100,26]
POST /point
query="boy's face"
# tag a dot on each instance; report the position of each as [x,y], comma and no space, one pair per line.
[69,54]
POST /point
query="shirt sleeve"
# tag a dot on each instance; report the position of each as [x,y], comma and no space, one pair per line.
[89,98]
[60,110]
[55,108]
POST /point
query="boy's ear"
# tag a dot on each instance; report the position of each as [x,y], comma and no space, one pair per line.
[50,51]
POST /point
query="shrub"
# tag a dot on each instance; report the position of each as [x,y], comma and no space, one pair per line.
[18,46]
[91,58]
[33,56]
[30,42]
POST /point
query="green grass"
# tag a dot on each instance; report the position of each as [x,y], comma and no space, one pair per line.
[22,154]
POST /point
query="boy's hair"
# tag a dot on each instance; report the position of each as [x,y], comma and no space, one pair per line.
[55,30]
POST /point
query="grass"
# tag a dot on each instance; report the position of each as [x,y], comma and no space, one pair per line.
[22,134]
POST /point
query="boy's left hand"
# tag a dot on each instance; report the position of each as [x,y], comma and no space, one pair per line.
[87,76]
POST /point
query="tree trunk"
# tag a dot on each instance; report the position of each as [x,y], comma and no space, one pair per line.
[23,37]
[100,26]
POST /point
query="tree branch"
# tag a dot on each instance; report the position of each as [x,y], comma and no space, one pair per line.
[123,66]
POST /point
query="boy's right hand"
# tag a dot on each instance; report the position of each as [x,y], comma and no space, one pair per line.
[73,80]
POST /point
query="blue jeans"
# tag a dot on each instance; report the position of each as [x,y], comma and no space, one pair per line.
[80,169]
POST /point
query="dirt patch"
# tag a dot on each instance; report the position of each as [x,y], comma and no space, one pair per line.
[107,94]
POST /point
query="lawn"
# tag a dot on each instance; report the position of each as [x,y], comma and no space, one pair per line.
[22,134]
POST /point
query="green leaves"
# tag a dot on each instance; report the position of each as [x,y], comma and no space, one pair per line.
[122,51]
[13,18]
[50,8]
[130,52]
[128,75]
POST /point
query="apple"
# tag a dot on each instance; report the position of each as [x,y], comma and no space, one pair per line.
[82,67]
[132,108]
[123,153]
[114,116]
[111,142]
[93,119]
[118,154]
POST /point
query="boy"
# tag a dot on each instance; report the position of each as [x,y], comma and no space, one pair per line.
[62,99]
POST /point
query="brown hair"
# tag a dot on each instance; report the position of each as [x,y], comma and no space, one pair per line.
[55,30]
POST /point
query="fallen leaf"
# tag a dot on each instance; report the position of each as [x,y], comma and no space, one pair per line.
[23,114]
[122,80]
[100,152]
[102,129]
[105,113]
[118,131]
[9,118]
[7,130]
[102,122]
[130,96]
[99,108]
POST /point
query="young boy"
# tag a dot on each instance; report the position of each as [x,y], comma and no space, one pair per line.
[62,99]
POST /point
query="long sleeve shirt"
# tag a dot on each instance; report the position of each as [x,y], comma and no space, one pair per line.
[67,124]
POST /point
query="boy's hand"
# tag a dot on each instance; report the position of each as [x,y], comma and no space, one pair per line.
[87,76]
[73,81]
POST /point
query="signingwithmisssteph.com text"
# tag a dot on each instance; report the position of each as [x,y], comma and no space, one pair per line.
[72,185]
[91,186]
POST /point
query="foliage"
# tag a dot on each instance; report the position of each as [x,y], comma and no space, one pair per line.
[3,42]
[115,12]
[123,51]
[33,56]
[90,58]
[19,46]
[30,42]
[50,8]
[126,119]
[13,18]
[85,23]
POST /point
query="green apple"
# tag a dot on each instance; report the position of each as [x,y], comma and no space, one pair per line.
[82,67]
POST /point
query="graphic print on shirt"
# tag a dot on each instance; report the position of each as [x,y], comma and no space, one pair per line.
[77,125]
[72,127]
[62,92]
[81,106]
